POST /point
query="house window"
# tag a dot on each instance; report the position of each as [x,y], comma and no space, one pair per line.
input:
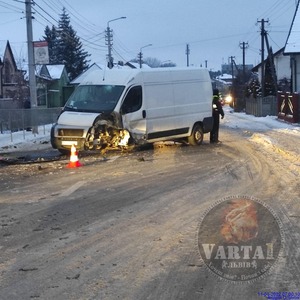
[8,72]
[41,97]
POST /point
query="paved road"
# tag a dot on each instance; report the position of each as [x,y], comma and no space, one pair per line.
[125,227]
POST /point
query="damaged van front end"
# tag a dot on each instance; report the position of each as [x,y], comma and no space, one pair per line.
[93,132]
[88,120]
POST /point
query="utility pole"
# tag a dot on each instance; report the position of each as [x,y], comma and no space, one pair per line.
[262,33]
[109,41]
[232,62]
[244,46]
[187,52]
[140,55]
[140,59]
[109,37]
[233,89]
[31,65]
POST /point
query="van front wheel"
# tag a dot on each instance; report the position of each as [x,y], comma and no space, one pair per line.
[196,138]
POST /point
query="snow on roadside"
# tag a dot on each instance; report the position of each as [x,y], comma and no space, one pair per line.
[258,124]
[25,140]
[243,121]
[272,134]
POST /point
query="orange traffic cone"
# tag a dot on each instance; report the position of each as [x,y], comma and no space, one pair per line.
[74,162]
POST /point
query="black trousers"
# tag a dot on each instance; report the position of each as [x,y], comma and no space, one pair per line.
[214,134]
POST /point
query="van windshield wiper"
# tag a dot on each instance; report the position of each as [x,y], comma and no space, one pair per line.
[70,107]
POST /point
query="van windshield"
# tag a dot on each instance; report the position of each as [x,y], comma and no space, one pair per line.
[94,98]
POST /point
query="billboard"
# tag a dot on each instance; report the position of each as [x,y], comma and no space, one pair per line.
[41,54]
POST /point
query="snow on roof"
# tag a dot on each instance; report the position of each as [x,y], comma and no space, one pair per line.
[55,71]
[225,76]
[293,41]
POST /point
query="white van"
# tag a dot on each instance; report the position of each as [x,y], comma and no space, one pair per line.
[114,108]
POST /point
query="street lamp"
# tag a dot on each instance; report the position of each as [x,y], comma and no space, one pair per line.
[141,54]
[109,41]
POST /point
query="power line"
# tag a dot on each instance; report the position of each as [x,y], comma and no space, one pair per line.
[45,13]
[88,37]
[80,20]
[11,7]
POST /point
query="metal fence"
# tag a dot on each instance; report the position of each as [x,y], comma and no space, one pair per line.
[262,107]
[12,120]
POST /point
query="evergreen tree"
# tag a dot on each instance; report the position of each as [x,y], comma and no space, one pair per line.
[65,47]
[52,37]
[269,80]
[253,87]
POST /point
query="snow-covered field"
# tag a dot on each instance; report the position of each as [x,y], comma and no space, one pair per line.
[264,130]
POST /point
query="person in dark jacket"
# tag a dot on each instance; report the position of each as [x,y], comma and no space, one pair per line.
[217,110]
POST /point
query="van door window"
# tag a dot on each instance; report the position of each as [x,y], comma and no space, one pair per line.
[133,100]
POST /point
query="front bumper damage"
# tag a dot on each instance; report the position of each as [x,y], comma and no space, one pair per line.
[106,132]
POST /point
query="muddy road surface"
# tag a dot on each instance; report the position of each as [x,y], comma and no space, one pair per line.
[126,226]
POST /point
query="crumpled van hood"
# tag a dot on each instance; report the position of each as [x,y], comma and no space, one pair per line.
[77,118]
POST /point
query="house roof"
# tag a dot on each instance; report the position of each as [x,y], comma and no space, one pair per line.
[5,46]
[55,71]
[225,77]
[277,53]
[50,71]
[292,45]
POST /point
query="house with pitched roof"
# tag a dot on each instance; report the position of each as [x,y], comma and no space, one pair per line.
[292,48]
[14,89]
[289,103]
[53,89]
[282,70]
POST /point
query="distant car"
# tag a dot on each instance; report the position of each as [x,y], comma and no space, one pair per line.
[228,99]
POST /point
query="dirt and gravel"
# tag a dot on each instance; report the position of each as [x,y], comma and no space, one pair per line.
[124,226]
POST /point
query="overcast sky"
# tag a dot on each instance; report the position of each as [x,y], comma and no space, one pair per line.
[213,29]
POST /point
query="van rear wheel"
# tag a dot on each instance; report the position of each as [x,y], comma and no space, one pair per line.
[196,138]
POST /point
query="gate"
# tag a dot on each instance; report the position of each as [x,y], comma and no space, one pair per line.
[288,107]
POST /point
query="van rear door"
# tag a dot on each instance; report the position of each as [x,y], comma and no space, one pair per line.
[133,114]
